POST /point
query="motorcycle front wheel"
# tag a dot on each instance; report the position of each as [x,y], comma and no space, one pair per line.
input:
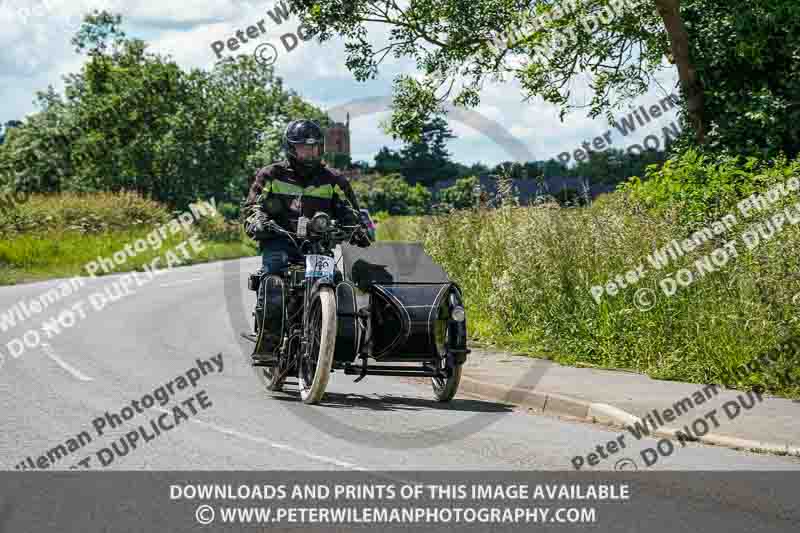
[316,363]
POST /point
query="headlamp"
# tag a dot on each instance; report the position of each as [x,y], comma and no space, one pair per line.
[320,222]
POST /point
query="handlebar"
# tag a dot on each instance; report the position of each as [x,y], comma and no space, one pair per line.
[337,232]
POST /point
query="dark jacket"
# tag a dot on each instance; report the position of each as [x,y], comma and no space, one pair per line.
[327,191]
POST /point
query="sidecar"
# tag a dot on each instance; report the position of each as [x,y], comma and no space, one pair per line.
[397,307]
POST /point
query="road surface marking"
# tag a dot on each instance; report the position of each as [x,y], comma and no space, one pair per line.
[66,366]
[179,282]
[285,447]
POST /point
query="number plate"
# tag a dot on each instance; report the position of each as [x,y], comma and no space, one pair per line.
[319,266]
[302,223]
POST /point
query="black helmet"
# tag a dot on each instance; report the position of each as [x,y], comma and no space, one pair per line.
[303,132]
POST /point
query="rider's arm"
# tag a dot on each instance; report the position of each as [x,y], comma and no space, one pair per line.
[347,209]
[252,207]
[344,198]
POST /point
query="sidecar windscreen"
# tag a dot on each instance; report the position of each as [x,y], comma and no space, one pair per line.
[389,262]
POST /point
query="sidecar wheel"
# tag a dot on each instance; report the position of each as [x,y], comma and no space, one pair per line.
[445,389]
[315,367]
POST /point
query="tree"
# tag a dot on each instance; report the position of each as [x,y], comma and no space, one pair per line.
[745,52]
[427,159]
[461,195]
[388,161]
[459,45]
[391,193]
[134,120]
[458,40]
[4,128]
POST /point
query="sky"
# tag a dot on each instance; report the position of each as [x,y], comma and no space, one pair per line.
[36,53]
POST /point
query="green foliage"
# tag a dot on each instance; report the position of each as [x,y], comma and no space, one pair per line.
[33,257]
[56,235]
[134,120]
[426,160]
[459,196]
[746,54]
[527,275]
[454,45]
[388,161]
[401,228]
[230,211]
[46,214]
[702,188]
[391,193]
[614,165]
[217,228]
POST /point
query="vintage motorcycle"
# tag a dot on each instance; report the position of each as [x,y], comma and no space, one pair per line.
[389,302]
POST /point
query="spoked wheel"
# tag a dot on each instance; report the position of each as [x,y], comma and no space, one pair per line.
[271,376]
[316,363]
[445,388]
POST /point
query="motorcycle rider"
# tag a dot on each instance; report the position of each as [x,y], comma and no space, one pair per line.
[301,185]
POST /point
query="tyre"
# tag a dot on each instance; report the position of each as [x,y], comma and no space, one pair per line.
[445,389]
[316,363]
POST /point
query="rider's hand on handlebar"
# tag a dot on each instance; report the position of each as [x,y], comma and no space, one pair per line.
[259,226]
[360,237]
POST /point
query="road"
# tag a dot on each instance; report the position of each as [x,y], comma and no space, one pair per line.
[51,393]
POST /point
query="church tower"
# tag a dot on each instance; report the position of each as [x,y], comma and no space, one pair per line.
[337,138]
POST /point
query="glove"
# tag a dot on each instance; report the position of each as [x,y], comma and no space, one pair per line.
[360,238]
[258,226]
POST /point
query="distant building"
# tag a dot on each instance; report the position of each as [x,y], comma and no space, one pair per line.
[337,138]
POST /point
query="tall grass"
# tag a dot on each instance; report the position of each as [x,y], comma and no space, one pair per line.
[527,275]
[57,235]
[80,213]
[399,228]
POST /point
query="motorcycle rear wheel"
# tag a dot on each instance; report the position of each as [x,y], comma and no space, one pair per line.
[269,375]
[315,366]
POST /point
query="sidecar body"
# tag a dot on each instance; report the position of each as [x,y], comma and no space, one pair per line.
[396,305]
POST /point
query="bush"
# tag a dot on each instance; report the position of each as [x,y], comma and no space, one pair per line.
[92,213]
[218,228]
[527,275]
[702,188]
[391,193]
[230,211]
[460,195]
